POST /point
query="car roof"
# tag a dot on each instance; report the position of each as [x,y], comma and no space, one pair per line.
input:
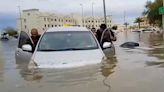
[70,28]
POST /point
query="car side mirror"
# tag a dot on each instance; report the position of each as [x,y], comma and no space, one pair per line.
[107,45]
[27,48]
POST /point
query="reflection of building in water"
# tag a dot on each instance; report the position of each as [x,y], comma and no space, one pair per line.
[1,66]
[157,41]
[107,69]
[151,39]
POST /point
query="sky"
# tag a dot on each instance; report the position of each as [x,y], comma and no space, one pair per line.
[117,8]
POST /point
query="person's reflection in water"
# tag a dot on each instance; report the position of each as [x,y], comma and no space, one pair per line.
[107,69]
[28,75]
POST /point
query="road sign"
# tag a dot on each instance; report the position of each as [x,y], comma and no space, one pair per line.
[161,10]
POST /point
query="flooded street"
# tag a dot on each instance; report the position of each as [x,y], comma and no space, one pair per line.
[130,70]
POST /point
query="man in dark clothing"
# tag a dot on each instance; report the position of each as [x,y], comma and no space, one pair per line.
[35,37]
[105,35]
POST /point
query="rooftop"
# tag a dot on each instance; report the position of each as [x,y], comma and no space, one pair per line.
[70,28]
[30,10]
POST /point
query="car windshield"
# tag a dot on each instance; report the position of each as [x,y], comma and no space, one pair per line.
[62,41]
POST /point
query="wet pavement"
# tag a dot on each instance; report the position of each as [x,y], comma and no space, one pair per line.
[130,70]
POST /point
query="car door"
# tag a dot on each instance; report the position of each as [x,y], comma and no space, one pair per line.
[23,56]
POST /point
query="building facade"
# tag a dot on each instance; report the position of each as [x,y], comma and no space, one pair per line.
[145,22]
[33,18]
[95,22]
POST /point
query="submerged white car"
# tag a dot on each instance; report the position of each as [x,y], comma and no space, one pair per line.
[61,47]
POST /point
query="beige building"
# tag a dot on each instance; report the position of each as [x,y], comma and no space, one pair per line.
[33,18]
[95,22]
[145,22]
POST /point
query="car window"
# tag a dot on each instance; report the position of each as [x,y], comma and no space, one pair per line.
[67,41]
[24,39]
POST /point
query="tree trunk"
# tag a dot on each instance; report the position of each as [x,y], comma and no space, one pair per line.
[139,25]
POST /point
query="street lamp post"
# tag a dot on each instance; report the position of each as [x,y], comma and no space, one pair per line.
[82,14]
[20,17]
[104,11]
[93,14]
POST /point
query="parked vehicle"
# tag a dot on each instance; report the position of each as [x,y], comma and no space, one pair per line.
[4,37]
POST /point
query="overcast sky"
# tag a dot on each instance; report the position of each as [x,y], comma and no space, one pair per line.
[116,8]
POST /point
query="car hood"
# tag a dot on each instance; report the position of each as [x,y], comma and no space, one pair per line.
[67,59]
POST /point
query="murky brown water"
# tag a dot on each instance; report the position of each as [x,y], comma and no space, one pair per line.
[131,70]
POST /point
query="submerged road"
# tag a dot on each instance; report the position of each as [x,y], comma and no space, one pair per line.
[130,70]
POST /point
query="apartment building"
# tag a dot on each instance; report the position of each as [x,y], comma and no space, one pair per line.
[145,22]
[33,18]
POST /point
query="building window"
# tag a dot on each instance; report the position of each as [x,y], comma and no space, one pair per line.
[110,21]
[55,25]
[44,19]
[89,21]
[52,25]
[54,19]
[47,19]
[45,25]
[66,20]
[92,21]
[28,14]
[51,19]
[59,20]
[25,26]
[25,20]
[43,29]
[48,25]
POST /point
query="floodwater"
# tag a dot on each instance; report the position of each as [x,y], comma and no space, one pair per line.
[130,70]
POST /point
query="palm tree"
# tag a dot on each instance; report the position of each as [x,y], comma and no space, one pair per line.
[152,12]
[138,20]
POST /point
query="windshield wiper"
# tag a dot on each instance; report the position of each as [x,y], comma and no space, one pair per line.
[67,49]
[77,49]
[47,50]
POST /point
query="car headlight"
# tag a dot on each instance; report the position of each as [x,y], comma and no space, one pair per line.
[32,65]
